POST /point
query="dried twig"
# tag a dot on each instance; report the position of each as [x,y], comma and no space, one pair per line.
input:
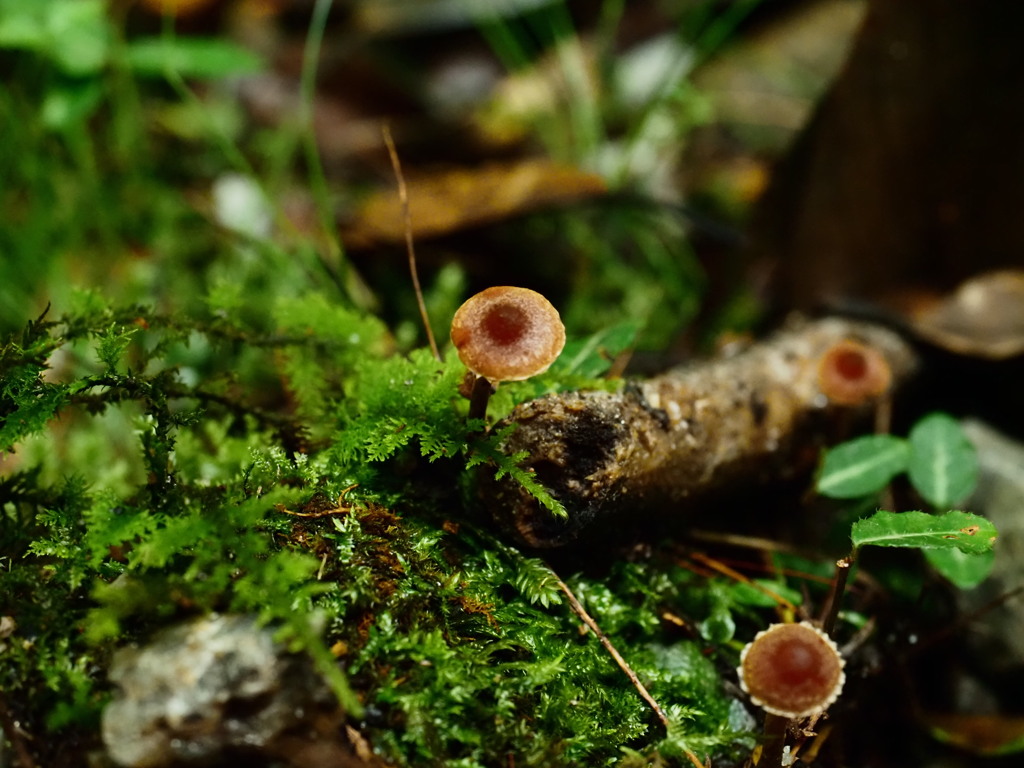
[403,198]
[735,575]
[623,665]
[341,508]
[835,597]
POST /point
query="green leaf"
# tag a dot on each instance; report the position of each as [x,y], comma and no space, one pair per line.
[592,357]
[69,104]
[862,466]
[1007,734]
[943,464]
[964,570]
[73,34]
[766,597]
[719,627]
[953,530]
[22,25]
[537,582]
[79,36]
[190,57]
[34,412]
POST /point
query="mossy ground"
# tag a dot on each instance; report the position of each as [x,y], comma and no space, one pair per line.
[345,520]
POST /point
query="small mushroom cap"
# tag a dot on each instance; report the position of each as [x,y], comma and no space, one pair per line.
[851,373]
[792,670]
[507,334]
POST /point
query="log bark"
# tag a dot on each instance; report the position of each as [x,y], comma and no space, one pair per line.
[658,445]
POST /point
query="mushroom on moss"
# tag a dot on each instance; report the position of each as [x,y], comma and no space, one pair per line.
[505,333]
[851,373]
[792,670]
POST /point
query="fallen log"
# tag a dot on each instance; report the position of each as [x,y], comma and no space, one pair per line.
[656,446]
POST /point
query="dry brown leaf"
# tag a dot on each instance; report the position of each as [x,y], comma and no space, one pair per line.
[984,317]
[981,734]
[460,198]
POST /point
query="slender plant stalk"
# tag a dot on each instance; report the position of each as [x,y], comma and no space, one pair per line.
[835,598]
[307,89]
[317,267]
[403,198]
[623,665]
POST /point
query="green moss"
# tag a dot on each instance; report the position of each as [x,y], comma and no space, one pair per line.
[340,519]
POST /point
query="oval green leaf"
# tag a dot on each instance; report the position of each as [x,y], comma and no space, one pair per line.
[952,530]
[862,466]
[943,464]
[719,627]
[963,570]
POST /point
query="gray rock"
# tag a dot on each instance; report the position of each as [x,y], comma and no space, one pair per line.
[213,686]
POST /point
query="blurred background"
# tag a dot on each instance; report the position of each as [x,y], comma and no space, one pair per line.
[688,165]
[198,153]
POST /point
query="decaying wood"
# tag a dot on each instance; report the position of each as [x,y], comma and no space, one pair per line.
[658,445]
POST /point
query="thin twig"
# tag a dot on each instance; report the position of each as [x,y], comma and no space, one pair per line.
[589,621]
[735,575]
[835,598]
[403,198]
[340,509]
[746,542]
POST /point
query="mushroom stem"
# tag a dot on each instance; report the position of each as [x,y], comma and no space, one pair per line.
[774,744]
[478,399]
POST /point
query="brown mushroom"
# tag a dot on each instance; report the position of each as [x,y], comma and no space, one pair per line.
[505,333]
[792,670]
[851,373]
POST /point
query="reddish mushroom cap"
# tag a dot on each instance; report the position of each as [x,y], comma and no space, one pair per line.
[792,670]
[507,334]
[851,373]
